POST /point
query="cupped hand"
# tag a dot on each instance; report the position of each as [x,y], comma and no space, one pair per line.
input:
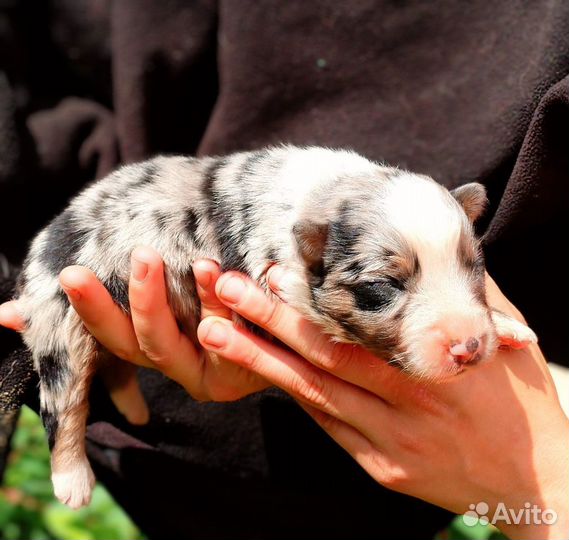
[495,434]
[152,338]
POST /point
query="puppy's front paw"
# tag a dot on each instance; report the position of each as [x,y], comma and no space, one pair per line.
[511,332]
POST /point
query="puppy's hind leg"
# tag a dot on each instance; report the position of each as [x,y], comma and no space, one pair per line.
[65,379]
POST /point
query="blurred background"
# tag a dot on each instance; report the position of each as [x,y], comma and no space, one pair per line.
[28,509]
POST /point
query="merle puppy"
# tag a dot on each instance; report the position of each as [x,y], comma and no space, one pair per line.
[379,257]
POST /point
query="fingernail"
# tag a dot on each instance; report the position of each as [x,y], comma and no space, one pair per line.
[275,277]
[233,289]
[72,293]
[216,335]
[139,269]
[204,278]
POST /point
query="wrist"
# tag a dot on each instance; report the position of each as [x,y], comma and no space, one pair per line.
[543,528]
[548,514]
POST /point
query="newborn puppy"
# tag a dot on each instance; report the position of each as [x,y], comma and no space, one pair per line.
[378,256]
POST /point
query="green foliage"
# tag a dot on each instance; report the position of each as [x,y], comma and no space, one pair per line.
[28,510]
[457,530]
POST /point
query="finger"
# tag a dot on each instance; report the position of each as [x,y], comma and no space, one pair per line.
[277,279]
[170,350]
[10,316]
[350,362]
[206,273]
[156,328]
[294,375]
[101,316]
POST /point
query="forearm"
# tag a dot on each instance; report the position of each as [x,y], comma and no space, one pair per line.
[548,514]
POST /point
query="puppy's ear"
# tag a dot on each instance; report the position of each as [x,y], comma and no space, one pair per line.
[472,197]
[311,238]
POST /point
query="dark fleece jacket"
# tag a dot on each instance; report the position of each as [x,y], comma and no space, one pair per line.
[461,91]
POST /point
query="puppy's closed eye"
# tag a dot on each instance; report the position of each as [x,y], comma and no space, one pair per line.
[375,295]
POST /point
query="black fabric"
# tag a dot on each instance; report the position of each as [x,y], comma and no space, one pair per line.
[460,91]
[17,378]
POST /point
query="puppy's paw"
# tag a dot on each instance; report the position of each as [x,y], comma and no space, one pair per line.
[74,486]
[511,332]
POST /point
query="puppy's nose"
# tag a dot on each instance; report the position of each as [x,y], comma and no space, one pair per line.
[465,351]
[472,345]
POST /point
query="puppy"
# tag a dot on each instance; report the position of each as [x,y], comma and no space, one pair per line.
[377,256]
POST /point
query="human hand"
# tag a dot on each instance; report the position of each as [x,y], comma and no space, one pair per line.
[495,434]
[152,338]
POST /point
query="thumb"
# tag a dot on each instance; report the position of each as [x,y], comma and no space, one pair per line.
[11,316]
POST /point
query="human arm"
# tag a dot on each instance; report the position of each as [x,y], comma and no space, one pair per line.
[445,443]
[495,434]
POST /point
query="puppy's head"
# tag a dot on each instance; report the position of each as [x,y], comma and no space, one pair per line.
[392,264]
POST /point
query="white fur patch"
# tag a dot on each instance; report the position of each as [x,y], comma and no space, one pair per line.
[423,212]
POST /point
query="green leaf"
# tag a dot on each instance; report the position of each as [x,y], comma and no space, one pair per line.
[458,530]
